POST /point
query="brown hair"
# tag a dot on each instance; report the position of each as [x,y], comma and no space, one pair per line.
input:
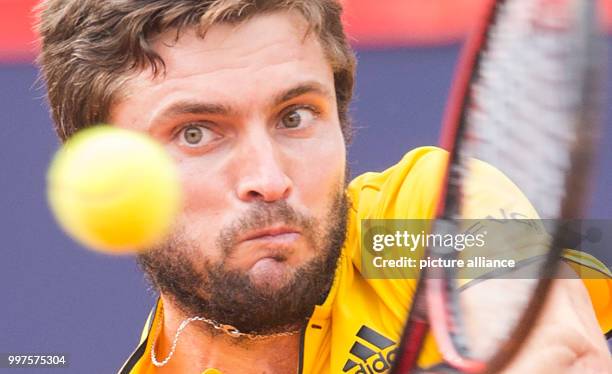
[89,48]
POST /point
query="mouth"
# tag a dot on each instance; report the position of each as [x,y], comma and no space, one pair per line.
[272,234]
[269,250]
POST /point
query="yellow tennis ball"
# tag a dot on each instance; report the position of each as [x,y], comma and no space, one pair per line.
[114,190]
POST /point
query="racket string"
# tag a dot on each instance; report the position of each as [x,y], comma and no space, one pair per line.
[524,119]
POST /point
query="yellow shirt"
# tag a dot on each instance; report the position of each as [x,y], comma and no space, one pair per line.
[358,325]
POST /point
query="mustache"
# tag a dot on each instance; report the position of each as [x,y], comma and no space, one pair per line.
[261,215]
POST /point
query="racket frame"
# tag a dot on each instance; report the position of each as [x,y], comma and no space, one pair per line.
[434,290]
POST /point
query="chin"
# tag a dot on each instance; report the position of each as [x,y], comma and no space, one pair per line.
[271,273]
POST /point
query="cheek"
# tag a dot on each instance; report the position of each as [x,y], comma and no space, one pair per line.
[202,214]
[205,184]
[318,173]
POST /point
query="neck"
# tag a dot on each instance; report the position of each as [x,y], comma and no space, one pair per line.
[198,348]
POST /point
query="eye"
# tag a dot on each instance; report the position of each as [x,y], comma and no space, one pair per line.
[297,117]
[196,135]
[193,135]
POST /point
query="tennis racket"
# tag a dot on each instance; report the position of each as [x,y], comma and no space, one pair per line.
[524,101]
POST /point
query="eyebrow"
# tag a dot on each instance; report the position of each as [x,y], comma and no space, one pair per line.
[302,89]
[194,107]
[186,107]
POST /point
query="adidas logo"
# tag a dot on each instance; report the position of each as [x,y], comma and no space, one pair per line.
[377,360]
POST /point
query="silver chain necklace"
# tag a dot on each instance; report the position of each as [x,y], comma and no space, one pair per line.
[228,329]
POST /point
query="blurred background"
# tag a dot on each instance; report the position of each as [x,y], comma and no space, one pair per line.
[57,297]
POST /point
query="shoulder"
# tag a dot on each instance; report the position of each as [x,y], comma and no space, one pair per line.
[137,362]
[411,184]
[422,161]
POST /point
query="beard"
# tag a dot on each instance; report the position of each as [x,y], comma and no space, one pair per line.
[201,287]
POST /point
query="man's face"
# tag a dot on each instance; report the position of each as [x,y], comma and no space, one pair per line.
[249,114]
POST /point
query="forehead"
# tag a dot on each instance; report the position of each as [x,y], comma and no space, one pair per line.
[266,39]
[252,59]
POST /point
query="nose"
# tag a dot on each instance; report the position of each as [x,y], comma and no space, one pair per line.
[261,173]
